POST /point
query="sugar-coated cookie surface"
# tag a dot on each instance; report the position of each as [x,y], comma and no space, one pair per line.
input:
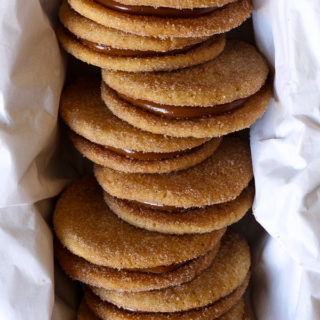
[85,113]
[179,4]
[219,21]
[108,311]
[128,280]
[239,72]
[85,226]
[107,158]
[201,53]
[199,220]
[214,126]
[220,178]
[227,272]
[89,30]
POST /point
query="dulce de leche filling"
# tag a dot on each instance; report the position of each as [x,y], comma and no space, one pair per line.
[161,269]
[150,156]
[184,112]
[158,206]
[157,12]
[104,49]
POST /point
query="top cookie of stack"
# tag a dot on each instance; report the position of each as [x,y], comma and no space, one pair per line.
[137,36]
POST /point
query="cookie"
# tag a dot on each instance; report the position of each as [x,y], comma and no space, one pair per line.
[129,280]
[217,20]
[84,313]
[108,311]
[197,220]
[106,55]
[87,29]
[220,178]
[239,72]
[227,272]
[86,227]
[204,127]
[142,164]
[84,112]
[224,95]
[178,4]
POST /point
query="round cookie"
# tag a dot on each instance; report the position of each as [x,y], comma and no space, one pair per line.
[107,158]
[84,112]
[227,272]
[220,178]
[218,21]
[178,4]
[128,280]
[84,313]
[86,227]
[200,53]
[239,72]
[87,29]
[108,311]
[214,126]
[197,220]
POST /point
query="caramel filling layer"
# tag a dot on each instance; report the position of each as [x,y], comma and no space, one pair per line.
[157,12]
[161,269]
[158,206]
[104,49]
[150,156]
[184,112]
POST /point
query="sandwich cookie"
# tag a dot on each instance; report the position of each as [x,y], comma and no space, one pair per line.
[113,49]
[173,20]
[237,312]
[107,311]
[224,95]
[220,178]
[106,140]
[228,271]
[86,227]
[131,280]
[195,220]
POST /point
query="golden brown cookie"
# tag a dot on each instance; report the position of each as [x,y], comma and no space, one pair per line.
[194,55]
[84,312]
[129,280]
[86,227]
[219,21]
[214,126]
[176,160]
[178,4]
[220,178]
[227,272]
[84,112]
[239,72]
[198,220]
[107,311]
[87,29]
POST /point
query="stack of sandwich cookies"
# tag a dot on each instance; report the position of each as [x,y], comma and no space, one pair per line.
[113,143]
[84,34]
[135,269]
[213,99]
[147,237]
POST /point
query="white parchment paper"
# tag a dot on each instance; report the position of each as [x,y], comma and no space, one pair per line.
[286,159]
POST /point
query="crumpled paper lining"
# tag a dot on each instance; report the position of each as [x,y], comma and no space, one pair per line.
[286,160]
